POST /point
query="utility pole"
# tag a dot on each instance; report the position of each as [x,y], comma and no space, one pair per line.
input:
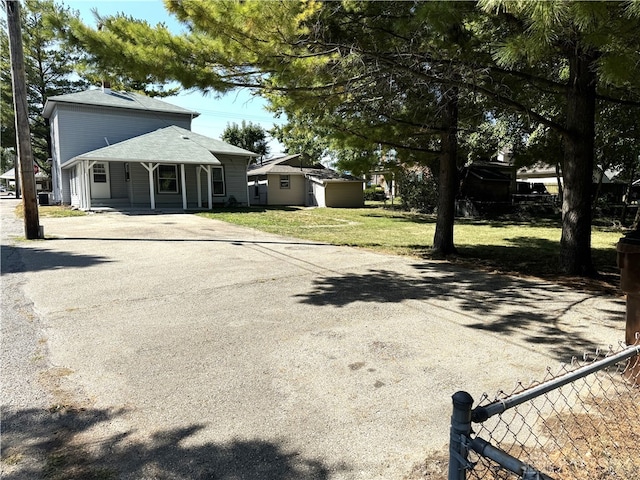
[25,154]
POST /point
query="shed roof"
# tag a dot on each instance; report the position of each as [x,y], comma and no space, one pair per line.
[287,165]
[113,99]
[316,172]
[327,175]
[166,145]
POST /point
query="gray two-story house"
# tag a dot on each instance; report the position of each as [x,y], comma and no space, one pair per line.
[126,150]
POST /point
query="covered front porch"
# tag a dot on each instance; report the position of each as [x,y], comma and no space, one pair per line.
[149,185]
[168,168]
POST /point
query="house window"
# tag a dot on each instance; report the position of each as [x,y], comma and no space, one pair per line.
[256,189]
[167,179]
[99,173]
[284,181]
[217,175]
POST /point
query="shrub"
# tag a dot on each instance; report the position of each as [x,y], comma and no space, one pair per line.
[374,192]
[419,192]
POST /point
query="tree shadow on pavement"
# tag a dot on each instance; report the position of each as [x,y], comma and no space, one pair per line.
[37,259]
[71,447]
[532,311]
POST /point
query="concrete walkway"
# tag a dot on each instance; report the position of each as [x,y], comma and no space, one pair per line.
[190,348]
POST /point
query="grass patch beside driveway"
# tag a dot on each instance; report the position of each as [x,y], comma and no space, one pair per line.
[511,246]
[52,211]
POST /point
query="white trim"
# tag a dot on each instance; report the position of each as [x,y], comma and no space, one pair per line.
[199,185]
[86,187]
[209,188]
[224,183]
[100,190]
[183,180]
[152,192]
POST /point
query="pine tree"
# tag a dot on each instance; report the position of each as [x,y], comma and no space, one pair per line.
[409,76]
[49,66]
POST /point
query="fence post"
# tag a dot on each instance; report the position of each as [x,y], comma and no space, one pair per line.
[459,433]
[629,263]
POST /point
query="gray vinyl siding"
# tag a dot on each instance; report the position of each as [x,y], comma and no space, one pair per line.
[235,178]
[235,184]
[79,129]
[88,128]
[119,188]
[71,184]
[66,188]
[139,188]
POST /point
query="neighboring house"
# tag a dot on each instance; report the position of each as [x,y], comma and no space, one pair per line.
[293,181]
[488,181]
[384,179]
[540,173]
[124,150]
[605,183]
[43,182]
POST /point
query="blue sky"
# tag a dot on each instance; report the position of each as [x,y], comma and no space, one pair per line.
[215,113]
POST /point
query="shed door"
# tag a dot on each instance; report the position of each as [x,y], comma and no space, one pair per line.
[100,185]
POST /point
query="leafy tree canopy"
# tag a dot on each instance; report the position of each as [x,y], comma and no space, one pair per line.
[409,75]
[249,136]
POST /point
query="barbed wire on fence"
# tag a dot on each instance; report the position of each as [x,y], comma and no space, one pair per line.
[584,428]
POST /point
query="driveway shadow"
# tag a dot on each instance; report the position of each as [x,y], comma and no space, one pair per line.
[497,303]
[57,436]
[13,259]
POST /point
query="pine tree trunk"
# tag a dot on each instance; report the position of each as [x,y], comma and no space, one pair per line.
[447,178]
[575,243]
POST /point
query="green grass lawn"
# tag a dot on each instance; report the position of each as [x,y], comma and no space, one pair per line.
[524,247]
[52,211]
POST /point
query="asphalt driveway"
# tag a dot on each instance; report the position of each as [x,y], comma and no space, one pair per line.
[182,347]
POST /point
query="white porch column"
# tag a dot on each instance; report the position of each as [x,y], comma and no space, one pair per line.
[87,182]
[245,174]
[183,180]
[85,190]
[199,186]
[152,191]
[87,185]
[209,187]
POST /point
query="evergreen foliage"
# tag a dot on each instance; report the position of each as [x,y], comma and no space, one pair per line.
[49,68]
[417,77]
[418,191]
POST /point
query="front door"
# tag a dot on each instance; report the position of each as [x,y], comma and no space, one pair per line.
[100,186]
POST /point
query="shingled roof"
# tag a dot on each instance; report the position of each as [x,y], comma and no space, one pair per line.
[295,165]
[113,99]
[165,145]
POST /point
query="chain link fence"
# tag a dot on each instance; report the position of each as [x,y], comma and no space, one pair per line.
[580,422]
